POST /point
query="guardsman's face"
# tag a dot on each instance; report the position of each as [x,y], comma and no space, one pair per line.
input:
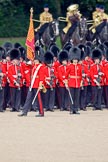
[97,61]
[75,61]
[46,9]
[64,62]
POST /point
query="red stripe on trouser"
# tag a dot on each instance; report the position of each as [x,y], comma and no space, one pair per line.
[40,104]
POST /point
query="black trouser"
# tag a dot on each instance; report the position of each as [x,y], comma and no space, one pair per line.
[97,96]
[28,103]
[98,30]
[64,98]
[42,29]
[23,95]
[49,99]
[70,31]
[83,97]
[75,93]
[15,98]
[89,94]
[1,98]
[7,101]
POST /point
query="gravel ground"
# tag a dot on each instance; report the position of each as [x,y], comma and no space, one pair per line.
[57,137]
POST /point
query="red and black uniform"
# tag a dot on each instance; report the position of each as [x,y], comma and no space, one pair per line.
[7,102]
[74,82]
[64,96]
[2,84]
[15,76]
[84,84]
[36,78]
[50,84]
[97,76]
[88,63]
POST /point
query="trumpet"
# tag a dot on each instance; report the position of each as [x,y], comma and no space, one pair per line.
[62,19]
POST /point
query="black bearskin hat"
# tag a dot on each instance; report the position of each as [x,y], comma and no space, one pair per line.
[63,55]
[2,53]
[39,53]
[17,45]
[8,46]
[15,54]
[23,52]
[48,57]
[90,44]
[67,44]
[55,50]
[75,53]
[96,53]
[88,51]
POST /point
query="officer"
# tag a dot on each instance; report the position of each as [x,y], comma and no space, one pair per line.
[45,18]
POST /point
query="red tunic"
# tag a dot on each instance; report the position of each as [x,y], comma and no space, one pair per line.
[94,70]
[12,75]
[75,75]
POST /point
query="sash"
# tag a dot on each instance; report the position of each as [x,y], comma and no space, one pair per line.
[34,76]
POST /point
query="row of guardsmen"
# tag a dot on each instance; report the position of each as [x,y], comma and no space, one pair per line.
[68,76]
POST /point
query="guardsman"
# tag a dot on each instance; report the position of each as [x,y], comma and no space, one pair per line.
[15,76]
[3,81]
[62,77]
[34,94]
[75,76]
[45,18]
[85,78]
[97,79]
[50,81]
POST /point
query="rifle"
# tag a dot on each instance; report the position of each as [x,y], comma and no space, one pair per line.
[82,82]
[98,79]
[52,77]
[18,80]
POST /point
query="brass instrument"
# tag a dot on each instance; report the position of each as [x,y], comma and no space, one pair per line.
[73,7]
[62,19]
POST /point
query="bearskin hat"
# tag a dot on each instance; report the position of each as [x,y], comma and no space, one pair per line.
[63,55]
[17,45]
[90,44]
[96,53]
[67,44]
[88,51]
[39,53]
[15,54]
[48,57]
[23,52]
[2,53]
[51,44]
[8,46]
[82,47]
[67,48]
[55,50]
[75,53]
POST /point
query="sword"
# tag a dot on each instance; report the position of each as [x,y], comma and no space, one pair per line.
[35,96]
[70,95]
